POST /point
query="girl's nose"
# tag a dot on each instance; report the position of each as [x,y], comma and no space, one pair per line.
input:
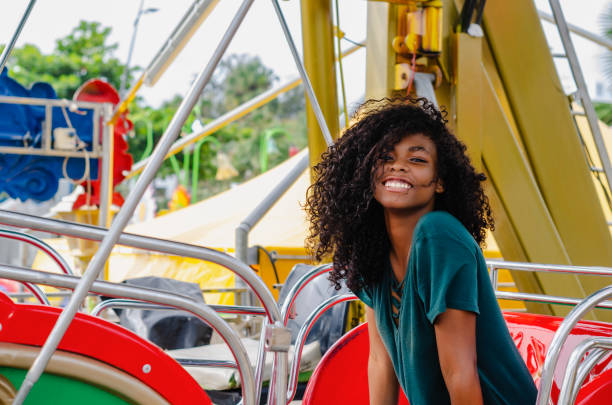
[397,167]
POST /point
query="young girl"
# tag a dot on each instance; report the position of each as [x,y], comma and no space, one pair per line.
[402,210]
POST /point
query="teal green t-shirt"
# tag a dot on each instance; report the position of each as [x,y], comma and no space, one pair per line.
[446,269]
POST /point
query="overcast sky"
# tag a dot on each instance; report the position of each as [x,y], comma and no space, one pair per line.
[260,34]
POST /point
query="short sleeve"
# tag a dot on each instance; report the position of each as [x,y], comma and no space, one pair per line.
[446,273]
[365,296]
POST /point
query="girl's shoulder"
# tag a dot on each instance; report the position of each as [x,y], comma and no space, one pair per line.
[442,225]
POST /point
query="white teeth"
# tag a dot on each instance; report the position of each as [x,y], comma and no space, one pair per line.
[397,184]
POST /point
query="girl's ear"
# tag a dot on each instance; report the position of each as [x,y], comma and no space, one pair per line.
[439,186]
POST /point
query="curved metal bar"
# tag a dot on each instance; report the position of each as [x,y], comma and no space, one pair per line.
[202,311]
[298,286]
[91,232]
[135,304]
[37,292]
[554,349]
[40,244]
[303,334]
[568,388]
[584,369]
[206,363]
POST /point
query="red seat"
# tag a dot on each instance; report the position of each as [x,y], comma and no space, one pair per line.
[109,343]
[341,376]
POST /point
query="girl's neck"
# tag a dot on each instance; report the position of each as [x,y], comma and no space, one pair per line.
[400,228]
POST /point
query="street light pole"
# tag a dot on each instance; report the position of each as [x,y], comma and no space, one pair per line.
[133,40]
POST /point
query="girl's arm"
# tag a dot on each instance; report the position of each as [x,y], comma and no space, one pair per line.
[382,381]
[456,340]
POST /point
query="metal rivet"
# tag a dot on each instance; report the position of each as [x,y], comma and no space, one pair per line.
[146,368]
[0,326]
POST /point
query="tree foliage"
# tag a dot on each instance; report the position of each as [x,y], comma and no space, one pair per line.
[238,79]
[82,55]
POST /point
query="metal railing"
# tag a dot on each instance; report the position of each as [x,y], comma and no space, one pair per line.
[46,148]
[496,265]
[577,368]
[66,228]
[200,310]
[554,349]
[39,244]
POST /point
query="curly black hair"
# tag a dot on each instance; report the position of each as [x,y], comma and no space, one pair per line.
[346,220]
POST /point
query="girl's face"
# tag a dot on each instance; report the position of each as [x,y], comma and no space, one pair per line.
[406,178]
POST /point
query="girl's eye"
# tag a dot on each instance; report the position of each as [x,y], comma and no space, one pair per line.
[386,158]
[418,160]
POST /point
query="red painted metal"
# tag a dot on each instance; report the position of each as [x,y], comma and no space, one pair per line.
[341,376]
[112,344]
[99,91]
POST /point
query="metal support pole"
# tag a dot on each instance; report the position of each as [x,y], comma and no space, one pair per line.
[319,62]
[9,47]
[127,210]
[307,85]
[129,58]
[106,174]
[242,232]
[582,88]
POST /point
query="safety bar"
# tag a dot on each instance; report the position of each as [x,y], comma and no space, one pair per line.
[91,232]
[224,309]
[496,265]
[298,286]
[134,304]
[554,349]
[577,369]
[40,244]
[37,292]
[96,233]
[200,310]
[303,334]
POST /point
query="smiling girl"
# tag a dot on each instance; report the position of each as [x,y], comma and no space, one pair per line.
[398,204]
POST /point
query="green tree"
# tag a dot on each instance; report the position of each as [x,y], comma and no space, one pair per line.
[237,79]
[82,55]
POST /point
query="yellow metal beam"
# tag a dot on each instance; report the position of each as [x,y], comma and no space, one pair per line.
[467,94]
[380,57]
[542,114]
[319,61]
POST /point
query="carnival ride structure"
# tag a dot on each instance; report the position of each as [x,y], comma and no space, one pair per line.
[471,66]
